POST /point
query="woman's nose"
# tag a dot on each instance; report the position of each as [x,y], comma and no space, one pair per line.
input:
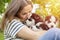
[29,15]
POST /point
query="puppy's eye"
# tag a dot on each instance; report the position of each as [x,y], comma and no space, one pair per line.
[30,19]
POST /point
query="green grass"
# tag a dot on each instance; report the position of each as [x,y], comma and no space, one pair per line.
[1,35]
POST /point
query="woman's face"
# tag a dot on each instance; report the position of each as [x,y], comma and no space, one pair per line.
[25,13]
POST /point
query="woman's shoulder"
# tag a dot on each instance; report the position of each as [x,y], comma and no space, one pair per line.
[15,20]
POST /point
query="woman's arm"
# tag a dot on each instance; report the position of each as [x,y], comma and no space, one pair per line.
[28,34]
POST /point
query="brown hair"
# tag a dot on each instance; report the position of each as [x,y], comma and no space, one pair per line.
[14,7]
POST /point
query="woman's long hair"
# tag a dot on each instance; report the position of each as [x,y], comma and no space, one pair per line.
[14,7]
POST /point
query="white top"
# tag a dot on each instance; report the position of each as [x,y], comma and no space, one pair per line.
[12,29]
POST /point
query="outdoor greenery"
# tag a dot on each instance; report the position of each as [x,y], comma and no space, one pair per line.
[2,5]
[1,35]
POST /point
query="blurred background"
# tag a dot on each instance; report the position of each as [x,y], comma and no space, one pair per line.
[41,7]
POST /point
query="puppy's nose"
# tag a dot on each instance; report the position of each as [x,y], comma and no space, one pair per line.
[51,26]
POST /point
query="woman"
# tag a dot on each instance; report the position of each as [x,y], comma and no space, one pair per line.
[13,23]
[16,14]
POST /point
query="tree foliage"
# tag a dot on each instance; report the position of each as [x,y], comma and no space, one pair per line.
[2,5]
[49,7]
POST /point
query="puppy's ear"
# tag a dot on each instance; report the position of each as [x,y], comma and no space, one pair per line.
[37,18]
[44,26]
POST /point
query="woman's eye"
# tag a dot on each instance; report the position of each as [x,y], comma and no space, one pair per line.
[24,13]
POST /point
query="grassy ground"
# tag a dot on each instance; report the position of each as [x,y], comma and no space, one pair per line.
[1,35]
